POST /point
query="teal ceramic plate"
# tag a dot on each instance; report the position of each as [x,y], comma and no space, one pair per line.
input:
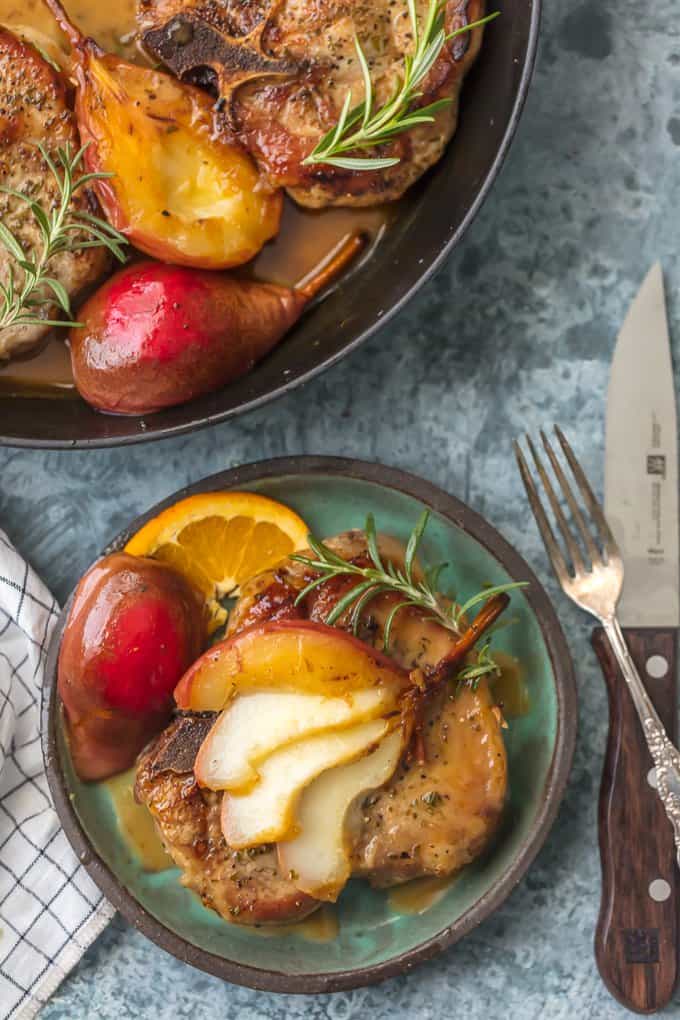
[373,941]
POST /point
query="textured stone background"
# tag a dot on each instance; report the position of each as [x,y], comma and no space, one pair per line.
[516,332]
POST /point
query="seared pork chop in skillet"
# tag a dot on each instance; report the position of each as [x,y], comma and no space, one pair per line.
[436,814]
[34,108]
[283,69]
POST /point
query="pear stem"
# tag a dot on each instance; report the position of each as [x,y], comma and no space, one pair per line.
[330,268]
[487,615]
[72,33]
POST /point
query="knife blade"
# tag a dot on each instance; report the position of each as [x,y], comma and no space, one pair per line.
[641,462]
[636,941]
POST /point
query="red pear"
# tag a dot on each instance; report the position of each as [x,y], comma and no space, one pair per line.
[156,335]
[134,627]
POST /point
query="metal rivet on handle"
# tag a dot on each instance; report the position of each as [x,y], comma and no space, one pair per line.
[656,666]
[659,890]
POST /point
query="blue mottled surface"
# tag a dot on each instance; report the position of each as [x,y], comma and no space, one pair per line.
[517,331]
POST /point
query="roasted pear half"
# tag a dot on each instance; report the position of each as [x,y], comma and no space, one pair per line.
[180,190]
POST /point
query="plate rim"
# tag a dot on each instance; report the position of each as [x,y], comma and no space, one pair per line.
[147,433]
[261,979]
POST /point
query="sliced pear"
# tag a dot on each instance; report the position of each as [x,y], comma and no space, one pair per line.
[267,812]
[255,725]
[318,859]
[293,655]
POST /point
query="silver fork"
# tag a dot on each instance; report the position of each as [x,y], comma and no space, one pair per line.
[596,587]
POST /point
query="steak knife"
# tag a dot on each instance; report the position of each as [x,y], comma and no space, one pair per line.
[636,942]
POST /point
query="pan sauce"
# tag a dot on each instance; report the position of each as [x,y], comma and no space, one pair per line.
[136,824]
[138,830]
[139,833]
[305,239]
[419,895]
[414,897]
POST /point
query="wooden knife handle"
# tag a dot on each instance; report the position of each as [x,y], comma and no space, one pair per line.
[636,941]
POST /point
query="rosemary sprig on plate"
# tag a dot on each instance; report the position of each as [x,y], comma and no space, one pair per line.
[376,127]
[381,576]
[485,665]
[62,229]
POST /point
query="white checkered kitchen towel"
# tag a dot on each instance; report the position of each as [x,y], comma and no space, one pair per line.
[50,910]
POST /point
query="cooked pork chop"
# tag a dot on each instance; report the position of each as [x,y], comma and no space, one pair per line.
[244,886]
[432,818]
[283,70]
[33,109]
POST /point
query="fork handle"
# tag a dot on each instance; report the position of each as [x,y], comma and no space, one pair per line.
[636,941]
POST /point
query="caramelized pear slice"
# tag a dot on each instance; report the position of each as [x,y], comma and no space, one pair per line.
[319,857]
[267,812]
[179,190]
[298,656]
[258,724]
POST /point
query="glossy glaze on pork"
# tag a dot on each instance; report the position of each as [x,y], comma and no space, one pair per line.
[283,70]
[433,817]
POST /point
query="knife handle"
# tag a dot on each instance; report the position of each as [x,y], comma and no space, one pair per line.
[636,941]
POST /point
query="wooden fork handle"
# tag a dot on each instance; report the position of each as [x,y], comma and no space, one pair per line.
[636,941]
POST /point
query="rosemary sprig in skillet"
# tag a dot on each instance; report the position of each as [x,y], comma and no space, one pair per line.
[376,127]
[62,229]
[413,588]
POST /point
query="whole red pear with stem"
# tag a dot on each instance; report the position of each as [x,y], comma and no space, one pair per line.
[156,335]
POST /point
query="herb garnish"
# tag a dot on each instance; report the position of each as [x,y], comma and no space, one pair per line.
[62,229]
[376,127]
[486,665]
[414,589]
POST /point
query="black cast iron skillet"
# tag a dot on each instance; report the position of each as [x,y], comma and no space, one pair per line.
[433,218]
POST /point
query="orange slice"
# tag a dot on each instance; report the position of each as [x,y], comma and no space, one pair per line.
[221,539]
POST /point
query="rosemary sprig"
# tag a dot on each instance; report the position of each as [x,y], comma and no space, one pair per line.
[376,127]
[486,665]
[62,229]
[386,577]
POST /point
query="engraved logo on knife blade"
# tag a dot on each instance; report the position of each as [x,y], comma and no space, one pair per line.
[656,464]
[656,469]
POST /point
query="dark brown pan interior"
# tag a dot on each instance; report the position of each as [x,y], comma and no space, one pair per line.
[433,217]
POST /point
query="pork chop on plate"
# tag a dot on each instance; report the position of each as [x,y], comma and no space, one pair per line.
[435,815]
[283,69]
[244,886]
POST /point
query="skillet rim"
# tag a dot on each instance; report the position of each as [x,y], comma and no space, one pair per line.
[148,433]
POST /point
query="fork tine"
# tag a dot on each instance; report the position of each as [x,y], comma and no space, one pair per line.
[594,508]
[591,546]
[569,540]
[549,540]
